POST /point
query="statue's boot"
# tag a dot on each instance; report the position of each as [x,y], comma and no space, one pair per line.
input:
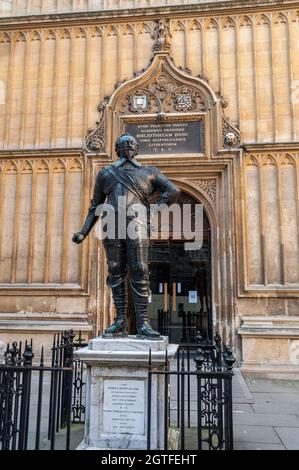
[140,296]
[119,327]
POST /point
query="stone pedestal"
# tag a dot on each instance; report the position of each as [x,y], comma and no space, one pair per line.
[117,392]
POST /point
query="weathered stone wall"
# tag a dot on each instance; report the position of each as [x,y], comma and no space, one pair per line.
[41,7]
[271,217]
[41,206]
[52,79]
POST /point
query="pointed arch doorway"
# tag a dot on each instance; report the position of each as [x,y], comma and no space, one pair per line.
[180,283]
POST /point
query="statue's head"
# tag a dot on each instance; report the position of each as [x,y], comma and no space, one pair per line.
[126,146]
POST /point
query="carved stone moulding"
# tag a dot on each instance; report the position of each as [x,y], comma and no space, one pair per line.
[231,137]
[95,138]
[208,186]
[162,43]
[164,95]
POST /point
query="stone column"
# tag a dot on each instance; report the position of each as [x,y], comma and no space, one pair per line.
[117,392]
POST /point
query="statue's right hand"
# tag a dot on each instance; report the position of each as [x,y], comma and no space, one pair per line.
[78,237]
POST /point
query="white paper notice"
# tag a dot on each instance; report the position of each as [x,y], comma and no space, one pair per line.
[124,407]
[192,297]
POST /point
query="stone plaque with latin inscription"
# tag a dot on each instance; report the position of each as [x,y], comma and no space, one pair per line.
[124,407]
[177,137]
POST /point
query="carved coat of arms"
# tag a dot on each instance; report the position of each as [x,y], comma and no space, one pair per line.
[184,101]
[139,102]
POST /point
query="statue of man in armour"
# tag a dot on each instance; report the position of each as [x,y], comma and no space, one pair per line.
[134,183]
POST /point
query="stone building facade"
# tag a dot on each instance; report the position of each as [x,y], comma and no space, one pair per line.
[67,71]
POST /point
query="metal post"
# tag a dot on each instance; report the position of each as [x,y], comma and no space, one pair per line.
[51,387]
[39,401]
[178,388]
[69,408]
[25,400]
[230,360]
[54,400]
[60,349]
[149,400]
[199,359]
[53,417]
[183,402]
[166,403]
[16,411]
[188,387]
[230,437]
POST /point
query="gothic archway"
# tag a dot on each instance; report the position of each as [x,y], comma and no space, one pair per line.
[181,282]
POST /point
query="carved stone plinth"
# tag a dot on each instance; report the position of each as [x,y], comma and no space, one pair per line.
[117,392]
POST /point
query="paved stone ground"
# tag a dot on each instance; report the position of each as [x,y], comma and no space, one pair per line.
[265,414]
[271,422]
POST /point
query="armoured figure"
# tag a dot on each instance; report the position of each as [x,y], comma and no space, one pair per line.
[135,183]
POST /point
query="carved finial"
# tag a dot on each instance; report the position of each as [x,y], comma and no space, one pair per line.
[95,138]
[12,355]
[224,102]
[119,83]
[162,43]
[186,70]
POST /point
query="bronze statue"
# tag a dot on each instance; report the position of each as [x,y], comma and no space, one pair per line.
[135,183]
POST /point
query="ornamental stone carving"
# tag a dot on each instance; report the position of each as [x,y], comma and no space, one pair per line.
[95,139]
[162,43]
[165,95]
[165,92]
[208,186]
[231,137]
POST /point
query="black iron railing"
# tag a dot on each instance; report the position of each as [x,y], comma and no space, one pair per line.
[190,324]
[40,401]
[27,390]
[63,354]
[199,405]
[18,419]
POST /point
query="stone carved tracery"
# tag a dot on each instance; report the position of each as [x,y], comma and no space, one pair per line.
[208,186]
[165,95]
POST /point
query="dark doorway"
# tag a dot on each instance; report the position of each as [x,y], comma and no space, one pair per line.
[180,281]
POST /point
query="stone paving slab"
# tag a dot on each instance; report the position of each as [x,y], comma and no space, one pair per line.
[276,386]
[241,392]
[287,403]
[275,412]
[77,435]
[262,419]
[289,436]
[257,434]
[255,446]
[240,408]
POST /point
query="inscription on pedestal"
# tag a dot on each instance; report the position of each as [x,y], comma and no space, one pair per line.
[168,137]
[124,407]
